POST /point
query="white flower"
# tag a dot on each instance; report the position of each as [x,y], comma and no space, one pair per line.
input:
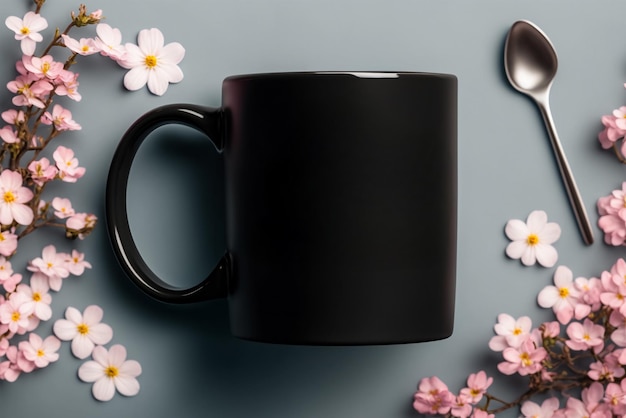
[27,30]
[152,62]
[109,370]
[109,42]
[86,331]
[532,240]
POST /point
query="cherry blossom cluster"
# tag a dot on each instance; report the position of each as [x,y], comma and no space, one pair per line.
[26,305]
[579,359]
[30,160]
[612,221]
[612,136]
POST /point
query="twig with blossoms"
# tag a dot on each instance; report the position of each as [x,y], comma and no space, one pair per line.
[28,166]
[580,357]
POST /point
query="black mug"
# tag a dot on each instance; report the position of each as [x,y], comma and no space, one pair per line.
[341,206]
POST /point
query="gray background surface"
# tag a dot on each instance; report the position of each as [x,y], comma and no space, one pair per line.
[192,366]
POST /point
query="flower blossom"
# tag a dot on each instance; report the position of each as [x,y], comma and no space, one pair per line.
[51,264]
[477,385]
[27,30]
[37,297]
[563,297]
[433,397]
[532,240]
[587,335]
[8,242]
[152,62]
[61,118]
[612,219]
[69,171]
[524,360]
[510,332]
[84,46]
[532,410]
[109,42]
[84,330]
[41,171]
[44,67]
[110,371]
[41,352]
[13,198]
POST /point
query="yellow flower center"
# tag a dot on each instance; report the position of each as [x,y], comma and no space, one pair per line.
[25,31]
[85,48]
[111,371]
[9,197]
[40,353]
[563,292]
[517,331]
[151,61]
[15,316]
[586,337]
[36,296]
[526,361]
[82,329]
[45,67]
[532,239]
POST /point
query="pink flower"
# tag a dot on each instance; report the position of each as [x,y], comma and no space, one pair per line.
[589,295]
[614,291]
[67,85]
[585,336]
[461,407]
[609,369]
[615,398]
[589,405]
[13,198]
[110,371]
[51,263]
[77,263]
[38,299]
[15,364]
[14,117]
[524,360]
[152,62]
[69,171]
[8,242]
[44,67]
[85,46]
[510,332]
[27,30]
[546,410]
[30,92]
[14,313]
[62,208]
[550,329]
[477,385]
[109,42]
[532,241]
[41,352]
[612,219]
[81,224]
[563,297]
[41,171]
[8,135]
[433,397]
[84,330]
[61,118]
[479,413]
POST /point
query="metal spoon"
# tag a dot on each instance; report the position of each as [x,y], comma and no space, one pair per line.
[530,64]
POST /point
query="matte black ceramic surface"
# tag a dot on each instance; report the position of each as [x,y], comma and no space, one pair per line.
[340,203]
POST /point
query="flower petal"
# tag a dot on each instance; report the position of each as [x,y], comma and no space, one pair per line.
[157,82]
[90,371]
[117,355]
[92,314]
[529,257]
[126,385]
[65,330]
[172,53]
[73,314]
[100,334]
[150,41]
[548,296]
[550,233]
[103,389]
[537,220]
[516,249]
[130,368]
[516,230]
[547,255]
[136,78]
[82,347]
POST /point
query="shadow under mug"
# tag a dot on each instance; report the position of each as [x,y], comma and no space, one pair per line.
[341,206]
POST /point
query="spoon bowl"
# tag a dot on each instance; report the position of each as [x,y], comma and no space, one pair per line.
[530,64]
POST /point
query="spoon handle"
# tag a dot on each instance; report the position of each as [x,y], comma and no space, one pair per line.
[566,173]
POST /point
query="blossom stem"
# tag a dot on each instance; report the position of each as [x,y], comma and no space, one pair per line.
[618,154]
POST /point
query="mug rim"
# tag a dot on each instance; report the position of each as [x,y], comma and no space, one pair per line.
[385,74]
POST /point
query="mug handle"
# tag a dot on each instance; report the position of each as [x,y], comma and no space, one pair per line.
[206,120]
